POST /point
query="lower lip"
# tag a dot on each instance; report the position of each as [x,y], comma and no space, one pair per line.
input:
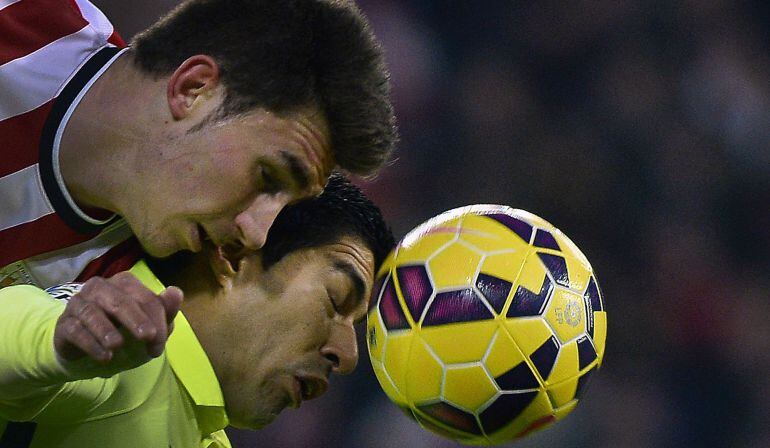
[295,392]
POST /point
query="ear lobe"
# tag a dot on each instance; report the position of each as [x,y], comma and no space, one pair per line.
[245,264]
[195,79]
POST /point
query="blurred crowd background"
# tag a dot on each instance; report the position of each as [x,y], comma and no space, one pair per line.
[642,130]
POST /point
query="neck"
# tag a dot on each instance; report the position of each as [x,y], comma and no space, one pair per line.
[191,272]
[193,275]
[102,145]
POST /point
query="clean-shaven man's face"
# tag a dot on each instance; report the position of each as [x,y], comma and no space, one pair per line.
[227,181]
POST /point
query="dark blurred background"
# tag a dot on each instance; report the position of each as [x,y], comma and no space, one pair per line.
[642,130]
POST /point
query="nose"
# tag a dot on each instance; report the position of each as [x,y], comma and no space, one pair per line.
[342,348]
[254,222]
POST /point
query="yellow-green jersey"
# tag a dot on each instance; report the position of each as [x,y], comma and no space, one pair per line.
[171,401]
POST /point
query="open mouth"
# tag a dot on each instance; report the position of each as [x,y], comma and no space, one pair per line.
[295,393]
[306,389]
[306,386]
[312,387]
[203,236]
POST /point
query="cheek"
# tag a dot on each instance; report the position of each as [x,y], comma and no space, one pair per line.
[203,154]
[229,174]
[216,185]
[299,325]
[276,333]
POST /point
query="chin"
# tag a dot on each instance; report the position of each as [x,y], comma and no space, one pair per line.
[253,415]
[253,422]
[152,248]
[158,253]
[159,250]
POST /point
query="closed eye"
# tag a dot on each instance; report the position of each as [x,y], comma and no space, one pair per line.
[269,181]
[334,305]
[332,302]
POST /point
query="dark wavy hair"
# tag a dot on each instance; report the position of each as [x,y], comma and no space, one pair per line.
[282,55]
[341,210]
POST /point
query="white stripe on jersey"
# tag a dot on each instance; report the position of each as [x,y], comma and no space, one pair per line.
[64,292]
[6,3]
[32,80]
[95,18]
[60,266]
[23,198]
[60,133]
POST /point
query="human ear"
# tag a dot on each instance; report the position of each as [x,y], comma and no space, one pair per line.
[249,265]
[222,268]
[195,79]
[227,269]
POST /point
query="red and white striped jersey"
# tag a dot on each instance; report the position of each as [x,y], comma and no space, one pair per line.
[51,52]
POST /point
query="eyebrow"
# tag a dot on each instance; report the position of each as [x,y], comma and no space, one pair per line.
[299,171]
[355,277]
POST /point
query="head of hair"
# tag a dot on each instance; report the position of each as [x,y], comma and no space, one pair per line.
[341,210]
[282,55]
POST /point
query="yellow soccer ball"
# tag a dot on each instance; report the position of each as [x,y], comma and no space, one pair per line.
[486,323]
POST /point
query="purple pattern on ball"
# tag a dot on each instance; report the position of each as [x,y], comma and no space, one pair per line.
[543,238]
[428,424]
[593,302]
[582,384]
[589,316]
[494,289]
[557,266]
[415,287]
[452,417]
[504,410]
[390,309]
[456,306]
[519,227]
[376,289]
[527,303]
[518,378]
[593,295]
[586,352]
[545,357]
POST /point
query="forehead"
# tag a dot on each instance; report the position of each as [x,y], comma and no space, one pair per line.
[345,249]
[348,257]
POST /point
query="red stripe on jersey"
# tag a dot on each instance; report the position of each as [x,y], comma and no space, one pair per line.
[29,25]
[21,139]
[118,259]
[33,238]
[116,40]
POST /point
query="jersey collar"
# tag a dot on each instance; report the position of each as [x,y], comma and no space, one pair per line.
[61,111]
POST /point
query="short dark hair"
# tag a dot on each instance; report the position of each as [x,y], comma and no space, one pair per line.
[282,55]
[341,210]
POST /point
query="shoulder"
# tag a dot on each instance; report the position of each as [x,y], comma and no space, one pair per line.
[25,308]
[26,296]
[33,19]
[45,35]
